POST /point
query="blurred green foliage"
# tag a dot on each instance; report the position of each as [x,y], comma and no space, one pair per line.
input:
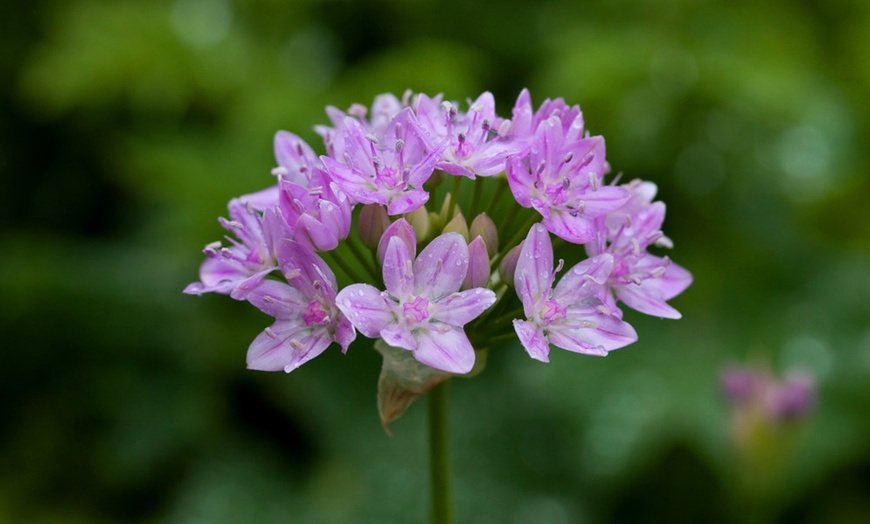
[126,126]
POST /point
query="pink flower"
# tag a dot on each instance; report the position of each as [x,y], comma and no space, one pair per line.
[572,315]
[642,281]
[387,169]
[478,141]
[422,309]
[561,179]
[243,264]
[306,318]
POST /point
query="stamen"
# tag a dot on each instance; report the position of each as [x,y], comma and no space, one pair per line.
[504,128]
[594,181]
[358,110]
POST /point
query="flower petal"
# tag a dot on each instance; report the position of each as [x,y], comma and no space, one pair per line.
[533,339]
[447,350]
[462,307]
[534,273]
[592,334]
[478,264]
[441,267]
[584,280]
[366,308]
[278,300]
[577,229]
[286,345]
[398,273]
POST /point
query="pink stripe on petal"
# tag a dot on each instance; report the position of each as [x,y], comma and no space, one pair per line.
[448,351]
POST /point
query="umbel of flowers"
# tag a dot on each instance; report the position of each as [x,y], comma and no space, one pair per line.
[443,233]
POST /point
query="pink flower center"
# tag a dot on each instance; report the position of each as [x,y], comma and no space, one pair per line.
[315,313]
[553,311]
[418,308]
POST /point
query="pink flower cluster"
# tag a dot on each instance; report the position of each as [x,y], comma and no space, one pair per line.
[371,237]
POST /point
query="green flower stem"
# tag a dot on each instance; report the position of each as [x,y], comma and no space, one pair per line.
[517,238]
[342,263]
[496,198]
[363,260]
[439,458]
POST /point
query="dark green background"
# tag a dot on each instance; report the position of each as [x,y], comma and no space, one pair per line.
[126,126]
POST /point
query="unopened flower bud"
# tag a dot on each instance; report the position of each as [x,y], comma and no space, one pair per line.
[373,221]
[483,226]
[457,225]
[403,230]
[420,221]
[508,265]
[478,264]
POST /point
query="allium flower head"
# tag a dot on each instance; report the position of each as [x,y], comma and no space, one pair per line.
[422,309]
[323,267]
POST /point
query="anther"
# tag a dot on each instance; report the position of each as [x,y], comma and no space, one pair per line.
[371,138]
[400,144]
[270,333]
[594,181]
[504,128]
[358,110]
[269,299]
[293,273]
[568,157]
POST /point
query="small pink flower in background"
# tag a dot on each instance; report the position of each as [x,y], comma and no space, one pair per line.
[777,400]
